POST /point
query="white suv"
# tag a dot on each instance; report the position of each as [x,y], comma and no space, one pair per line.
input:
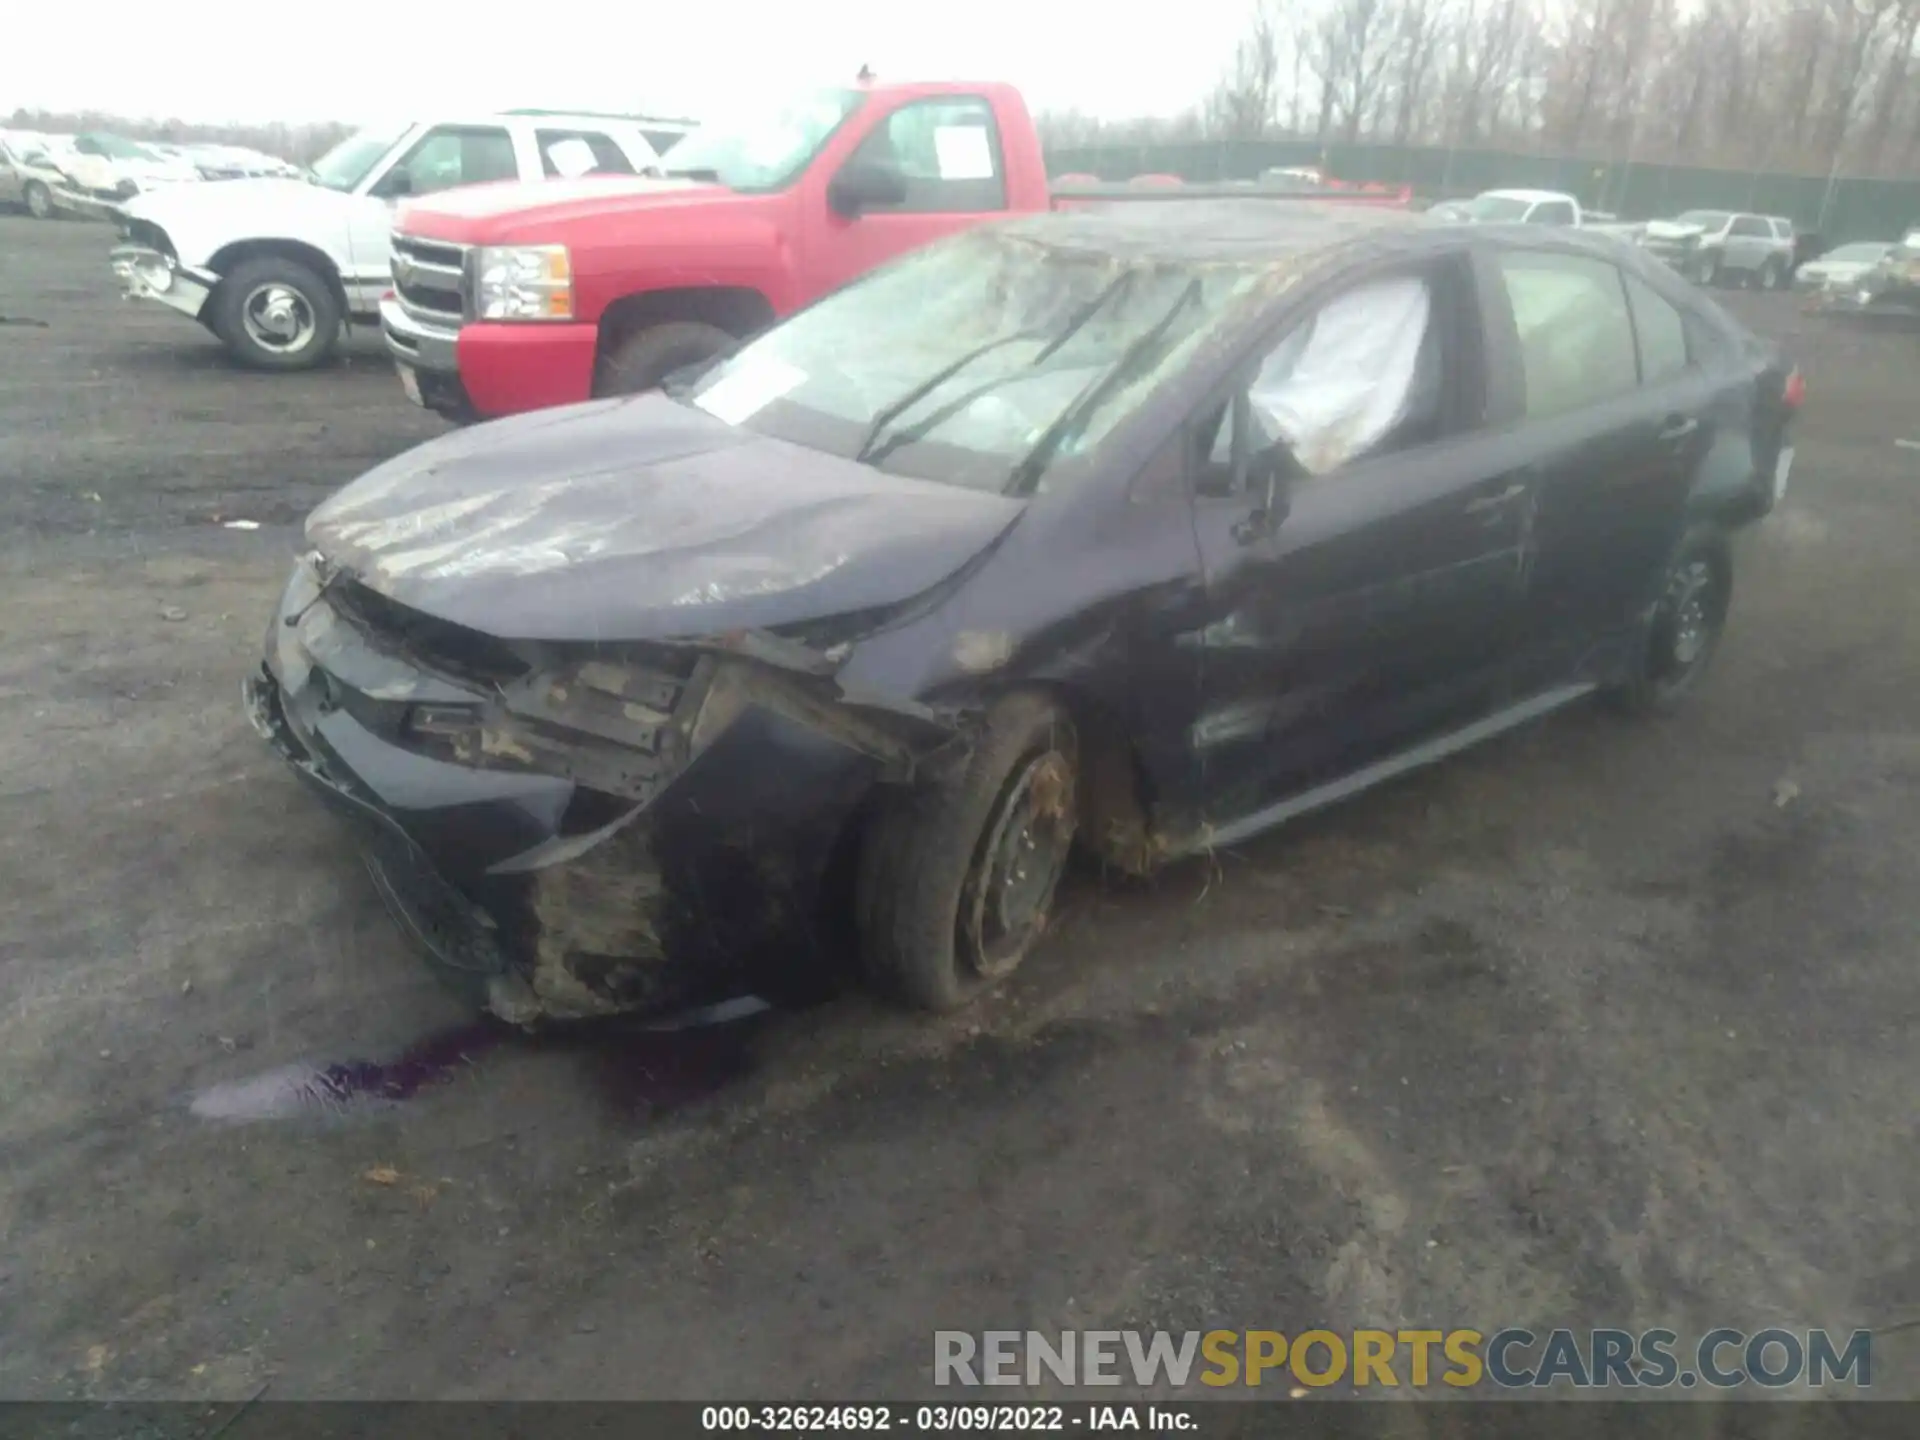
[275,267]
[1714,247]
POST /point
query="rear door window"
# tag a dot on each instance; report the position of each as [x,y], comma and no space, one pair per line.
[1575,331]
[566,153]
[1661,331]
[1749,227]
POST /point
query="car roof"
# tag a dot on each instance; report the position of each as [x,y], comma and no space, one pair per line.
[1254,228]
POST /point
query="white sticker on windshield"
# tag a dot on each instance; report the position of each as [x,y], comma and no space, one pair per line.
[572,158]
[749,388]
[965,152]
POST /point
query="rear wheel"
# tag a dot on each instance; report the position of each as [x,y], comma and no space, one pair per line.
[1773,275]
[1706,271]
[958,874]
[1683,633]
[39,200]
[643,359]
[276,314]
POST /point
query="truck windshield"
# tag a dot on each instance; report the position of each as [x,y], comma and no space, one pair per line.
[1497,209]
[347,164]
[979,361]
[763,149]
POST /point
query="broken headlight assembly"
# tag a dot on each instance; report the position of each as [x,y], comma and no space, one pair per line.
[522,282]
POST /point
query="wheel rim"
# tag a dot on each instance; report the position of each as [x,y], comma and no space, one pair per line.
[1009,891]
[1689,619]
[37,203]
[278,318]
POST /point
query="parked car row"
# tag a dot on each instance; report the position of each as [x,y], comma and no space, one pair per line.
[90,174]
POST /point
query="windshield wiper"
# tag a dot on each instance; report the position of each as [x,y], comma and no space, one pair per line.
[694,172]
[868,455]
[1096,393]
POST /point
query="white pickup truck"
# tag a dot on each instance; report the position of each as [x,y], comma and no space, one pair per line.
[275,268]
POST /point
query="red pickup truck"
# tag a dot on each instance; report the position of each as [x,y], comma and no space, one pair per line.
[509,298]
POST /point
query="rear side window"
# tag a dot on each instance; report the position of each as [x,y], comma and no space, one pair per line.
[1552,212]
[1576,335]
[949,151]
[566,153]
[1782,229]
[1749,227]
[1661,331]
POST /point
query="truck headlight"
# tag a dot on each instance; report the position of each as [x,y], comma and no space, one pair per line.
[523,282]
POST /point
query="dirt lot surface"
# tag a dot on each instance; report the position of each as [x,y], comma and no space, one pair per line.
[1605,1024]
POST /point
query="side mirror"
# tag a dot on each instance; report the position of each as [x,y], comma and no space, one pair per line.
[396,184]
[863,185]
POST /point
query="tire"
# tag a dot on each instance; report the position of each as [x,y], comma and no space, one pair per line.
[1706,271]
[39,200]
[1773,276]
[1679,641]
[276,314]
[641,361]
[944,865]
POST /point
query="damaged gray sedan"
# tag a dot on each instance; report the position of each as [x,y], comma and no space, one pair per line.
[1140,529]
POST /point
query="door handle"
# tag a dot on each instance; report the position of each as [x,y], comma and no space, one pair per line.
[1678,427]
[1486,503]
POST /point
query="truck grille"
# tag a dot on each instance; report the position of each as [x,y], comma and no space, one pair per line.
[429,277]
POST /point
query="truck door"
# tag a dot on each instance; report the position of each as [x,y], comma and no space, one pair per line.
[941,160]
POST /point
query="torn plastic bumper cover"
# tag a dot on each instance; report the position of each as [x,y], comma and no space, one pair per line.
[633,829]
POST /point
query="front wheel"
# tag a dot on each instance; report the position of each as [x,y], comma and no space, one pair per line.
[1683,632]
[1706,271]
[276,314]
[641,361]
[39,200]
[958,873]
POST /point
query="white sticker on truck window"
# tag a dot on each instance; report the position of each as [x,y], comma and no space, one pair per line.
[965,152]
[572,158]
[748,388]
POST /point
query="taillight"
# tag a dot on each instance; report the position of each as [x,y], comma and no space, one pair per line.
[1796,390]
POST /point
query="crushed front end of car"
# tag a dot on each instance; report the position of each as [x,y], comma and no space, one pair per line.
[575,830]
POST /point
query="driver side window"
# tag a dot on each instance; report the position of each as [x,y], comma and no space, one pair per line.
[1361,377]
[449,157]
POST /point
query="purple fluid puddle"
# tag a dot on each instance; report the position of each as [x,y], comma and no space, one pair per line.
[302,1089]
[643,1067]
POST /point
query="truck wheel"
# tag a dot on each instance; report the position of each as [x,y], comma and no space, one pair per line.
[641,361]
[1706,271]
[1773,276]
[276,314]
[1684,630]
[957,874]
[39,200]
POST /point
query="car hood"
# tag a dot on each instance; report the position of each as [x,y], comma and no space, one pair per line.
[643,519]
[484,214]
[201,218]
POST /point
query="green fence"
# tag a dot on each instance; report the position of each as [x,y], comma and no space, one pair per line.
[1841,209]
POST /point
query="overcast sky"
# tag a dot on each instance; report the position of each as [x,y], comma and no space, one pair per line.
[218,60]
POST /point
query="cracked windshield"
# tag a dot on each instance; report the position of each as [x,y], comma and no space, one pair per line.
[979,364]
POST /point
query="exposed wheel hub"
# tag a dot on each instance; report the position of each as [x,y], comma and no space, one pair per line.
[278,318]
[1023,853]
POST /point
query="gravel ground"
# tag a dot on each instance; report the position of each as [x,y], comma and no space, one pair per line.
[1604,1024]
